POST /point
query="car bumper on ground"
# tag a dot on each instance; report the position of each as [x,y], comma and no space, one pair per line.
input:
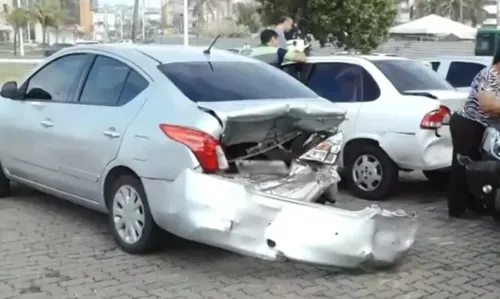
[249,219]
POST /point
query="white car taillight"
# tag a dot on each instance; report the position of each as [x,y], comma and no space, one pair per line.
[436,118]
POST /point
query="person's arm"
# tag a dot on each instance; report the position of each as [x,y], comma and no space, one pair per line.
[488,102]
[285,55]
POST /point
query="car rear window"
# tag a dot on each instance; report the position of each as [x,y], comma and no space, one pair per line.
[409,75]
[220,81]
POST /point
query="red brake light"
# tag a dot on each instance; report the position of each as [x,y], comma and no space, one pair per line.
[205,147]
[436,118]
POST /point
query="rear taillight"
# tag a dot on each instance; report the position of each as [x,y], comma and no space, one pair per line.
[436,118]
[205,147]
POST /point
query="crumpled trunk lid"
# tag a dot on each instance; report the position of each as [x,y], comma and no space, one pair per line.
[257,120]
[453,99]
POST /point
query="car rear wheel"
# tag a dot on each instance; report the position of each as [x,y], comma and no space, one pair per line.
[370,173]
[130,219]
[437,177]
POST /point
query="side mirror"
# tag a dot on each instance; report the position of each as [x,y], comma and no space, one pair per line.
[9,90]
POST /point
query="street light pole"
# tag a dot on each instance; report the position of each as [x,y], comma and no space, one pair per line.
[498,14]
[186,23]
[135,20]
[21,35]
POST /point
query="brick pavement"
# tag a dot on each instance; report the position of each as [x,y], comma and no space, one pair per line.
[53,249]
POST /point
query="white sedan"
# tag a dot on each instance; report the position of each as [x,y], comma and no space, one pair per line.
[397,111]
[459,71]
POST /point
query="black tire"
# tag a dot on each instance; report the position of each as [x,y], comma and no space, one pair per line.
[4,184]
[148,240]
[437,177]
[388,170]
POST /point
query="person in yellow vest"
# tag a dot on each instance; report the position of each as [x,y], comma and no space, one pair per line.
[269,51]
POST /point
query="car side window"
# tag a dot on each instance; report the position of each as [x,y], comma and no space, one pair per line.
[435,65]
[461,74]
[57,80]
[105,82]
[134,85]
[337,82]
[293,70]
[370,88]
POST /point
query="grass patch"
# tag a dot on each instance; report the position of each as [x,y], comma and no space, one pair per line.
[14,71]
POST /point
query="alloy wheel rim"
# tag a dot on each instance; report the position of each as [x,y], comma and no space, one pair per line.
[367,172]
[128,214]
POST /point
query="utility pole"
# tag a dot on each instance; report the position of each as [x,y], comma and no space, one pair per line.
[106,24]
[461,11]
[121,24]
[135,20]
[498,14]
[186,23]
[142,22]
[21,35]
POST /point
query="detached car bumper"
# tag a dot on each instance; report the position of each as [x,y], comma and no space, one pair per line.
[249,219]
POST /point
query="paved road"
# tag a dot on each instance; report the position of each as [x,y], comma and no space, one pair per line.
[52,249]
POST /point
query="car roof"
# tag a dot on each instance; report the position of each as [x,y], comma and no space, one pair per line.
[480,59]
[165,53]
[316,59]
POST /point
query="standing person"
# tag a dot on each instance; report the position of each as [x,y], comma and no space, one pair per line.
[467,127]
[285,25]
[269,52]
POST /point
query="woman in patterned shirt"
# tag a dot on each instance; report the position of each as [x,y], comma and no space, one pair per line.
[467,127]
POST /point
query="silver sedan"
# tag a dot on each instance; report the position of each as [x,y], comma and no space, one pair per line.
[206,145]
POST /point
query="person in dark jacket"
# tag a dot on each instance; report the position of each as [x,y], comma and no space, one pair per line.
[467,127]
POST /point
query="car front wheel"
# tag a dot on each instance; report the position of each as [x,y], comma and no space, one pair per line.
[132,225]
[369,172]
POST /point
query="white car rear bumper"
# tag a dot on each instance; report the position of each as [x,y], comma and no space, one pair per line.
[423,150]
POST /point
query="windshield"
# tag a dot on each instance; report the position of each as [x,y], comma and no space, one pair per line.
[409,75]
[485,44]
[218,81]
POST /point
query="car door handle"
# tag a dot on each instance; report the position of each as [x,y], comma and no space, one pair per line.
[46,123]
[111,134]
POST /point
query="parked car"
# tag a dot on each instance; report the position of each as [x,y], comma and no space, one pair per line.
[171,138]
[59,46]
[397,111]
[459,71]
[56,48]
[245,51]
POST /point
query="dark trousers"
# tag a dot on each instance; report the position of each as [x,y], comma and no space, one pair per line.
[466,137]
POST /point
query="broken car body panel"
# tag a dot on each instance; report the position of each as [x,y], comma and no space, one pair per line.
[269,209]
[239,217]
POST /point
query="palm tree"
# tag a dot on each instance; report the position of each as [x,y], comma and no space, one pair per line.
[458,10]
[17,19]
[199,7]
[49,14]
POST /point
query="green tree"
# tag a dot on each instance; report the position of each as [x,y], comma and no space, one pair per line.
[17,19]
[49,14]
[248,16]
[360,25]
[199,10]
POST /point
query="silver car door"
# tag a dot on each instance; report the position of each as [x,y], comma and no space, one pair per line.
[91,130]
[29,128]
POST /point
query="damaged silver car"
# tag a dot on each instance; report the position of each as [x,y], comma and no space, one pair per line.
[206,145]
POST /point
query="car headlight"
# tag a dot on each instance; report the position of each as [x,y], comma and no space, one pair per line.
[491,142]
[327,151]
